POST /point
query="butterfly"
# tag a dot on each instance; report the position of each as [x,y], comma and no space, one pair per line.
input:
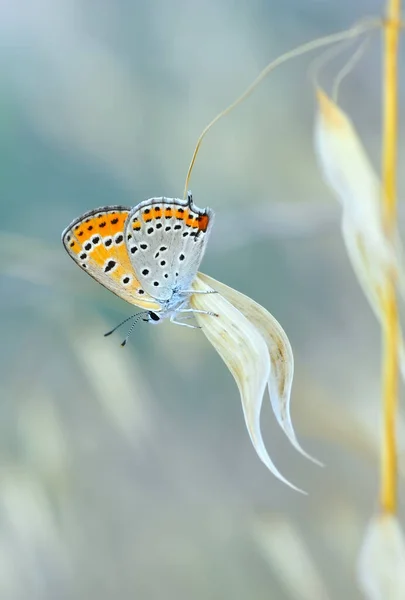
[148,255]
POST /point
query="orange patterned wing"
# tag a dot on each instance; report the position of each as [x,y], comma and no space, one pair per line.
[96,243]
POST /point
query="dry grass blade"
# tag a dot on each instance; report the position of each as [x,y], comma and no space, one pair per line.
[280,353]
[381,569]
[349,174]
[40,429]
[286,552]
[111,375]
[243,349]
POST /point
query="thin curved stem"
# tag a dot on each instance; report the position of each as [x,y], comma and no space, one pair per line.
[353,32]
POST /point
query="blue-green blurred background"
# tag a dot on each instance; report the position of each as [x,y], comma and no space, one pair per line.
[129,473]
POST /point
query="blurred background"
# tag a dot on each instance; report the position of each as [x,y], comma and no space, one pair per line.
[129,473]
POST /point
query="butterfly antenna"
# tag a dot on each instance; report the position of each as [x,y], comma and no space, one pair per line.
[124,321]
[138,316]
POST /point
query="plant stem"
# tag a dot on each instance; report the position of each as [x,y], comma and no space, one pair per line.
[388,492]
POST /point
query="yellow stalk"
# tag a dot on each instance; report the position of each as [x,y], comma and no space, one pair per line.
[388,492]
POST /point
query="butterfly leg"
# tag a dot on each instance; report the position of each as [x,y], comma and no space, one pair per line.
[201,312]
[172,320]
[185,318]
[191,292]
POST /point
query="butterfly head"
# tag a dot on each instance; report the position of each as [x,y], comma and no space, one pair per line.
[152,317]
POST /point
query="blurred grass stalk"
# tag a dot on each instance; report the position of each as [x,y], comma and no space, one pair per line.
[369,229]
[388,492]
[382,560]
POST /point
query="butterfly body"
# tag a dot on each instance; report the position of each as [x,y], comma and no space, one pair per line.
[148,255]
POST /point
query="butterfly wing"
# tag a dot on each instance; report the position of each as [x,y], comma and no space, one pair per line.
[97,244]
[169,237]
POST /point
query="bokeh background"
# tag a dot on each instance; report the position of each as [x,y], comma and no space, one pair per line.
[129,473]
